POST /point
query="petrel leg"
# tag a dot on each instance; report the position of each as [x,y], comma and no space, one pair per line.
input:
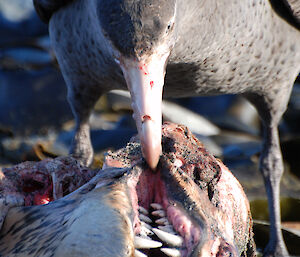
[270,108]
[82,100]
[271,166]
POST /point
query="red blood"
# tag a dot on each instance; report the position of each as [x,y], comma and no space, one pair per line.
[33,180]
[144,69]
[41,199]
[145,118]
[151,83]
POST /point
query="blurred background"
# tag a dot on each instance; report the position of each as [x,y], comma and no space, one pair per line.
[36,121]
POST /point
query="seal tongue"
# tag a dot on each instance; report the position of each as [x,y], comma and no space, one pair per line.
[145,80]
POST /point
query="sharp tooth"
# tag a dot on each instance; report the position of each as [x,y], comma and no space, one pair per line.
[144,224]
[143,243]
[156,206]
[137,253]
[162,221]
[167,228]
[171,252]
[145,231]
[170,239]
[143,210]
[145,218]
[159,213]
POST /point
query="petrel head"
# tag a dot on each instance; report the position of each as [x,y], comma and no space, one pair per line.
[137,27]
[142,34]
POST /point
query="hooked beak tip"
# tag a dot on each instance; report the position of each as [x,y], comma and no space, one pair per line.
[153,161]
[151,143]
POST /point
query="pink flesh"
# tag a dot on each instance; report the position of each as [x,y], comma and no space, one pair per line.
[42,199]
[35,182]
[184,226]
[151,189]
[37,188]
[134,201]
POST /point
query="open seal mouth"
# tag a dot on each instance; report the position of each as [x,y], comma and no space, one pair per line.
[191,205]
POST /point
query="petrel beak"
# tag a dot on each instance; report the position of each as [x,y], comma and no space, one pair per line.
[145,80]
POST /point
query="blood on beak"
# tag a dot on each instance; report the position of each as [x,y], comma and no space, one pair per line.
[145,80]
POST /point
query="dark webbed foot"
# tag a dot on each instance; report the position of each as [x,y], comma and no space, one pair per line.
[276,249]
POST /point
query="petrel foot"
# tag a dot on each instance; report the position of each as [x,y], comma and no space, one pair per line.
[85,159]
[274,249]
[82,151]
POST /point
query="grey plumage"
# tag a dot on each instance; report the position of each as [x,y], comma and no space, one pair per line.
[247,47]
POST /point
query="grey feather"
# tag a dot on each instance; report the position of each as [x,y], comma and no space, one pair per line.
[288,10]
[45,8]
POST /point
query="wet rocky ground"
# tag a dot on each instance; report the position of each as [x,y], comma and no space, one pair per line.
[36,121]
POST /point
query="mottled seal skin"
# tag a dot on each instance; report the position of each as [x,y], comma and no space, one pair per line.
[246,47]
[73,226]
